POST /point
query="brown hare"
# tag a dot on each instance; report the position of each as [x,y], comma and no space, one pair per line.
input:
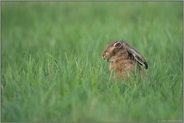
[124,60]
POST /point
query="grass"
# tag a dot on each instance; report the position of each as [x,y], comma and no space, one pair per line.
[52,68]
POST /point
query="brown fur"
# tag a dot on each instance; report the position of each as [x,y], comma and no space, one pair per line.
[122,60]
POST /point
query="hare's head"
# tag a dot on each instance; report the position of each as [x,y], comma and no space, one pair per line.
[121,50]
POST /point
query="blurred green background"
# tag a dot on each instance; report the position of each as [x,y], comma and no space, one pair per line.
[52,68]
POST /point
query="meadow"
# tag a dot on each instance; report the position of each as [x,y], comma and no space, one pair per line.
[52,68]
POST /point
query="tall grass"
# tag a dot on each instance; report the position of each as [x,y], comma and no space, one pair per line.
[52,68]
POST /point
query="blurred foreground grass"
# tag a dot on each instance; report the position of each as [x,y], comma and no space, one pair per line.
[52,68]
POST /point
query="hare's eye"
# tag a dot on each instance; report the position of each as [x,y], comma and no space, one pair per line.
[117,45]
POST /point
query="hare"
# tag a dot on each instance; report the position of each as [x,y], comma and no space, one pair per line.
[124,60]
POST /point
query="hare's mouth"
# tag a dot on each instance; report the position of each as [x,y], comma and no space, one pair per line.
[105,57]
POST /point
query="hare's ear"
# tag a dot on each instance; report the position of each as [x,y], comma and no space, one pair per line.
[138,57]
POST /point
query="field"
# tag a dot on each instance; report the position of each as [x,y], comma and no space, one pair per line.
[52,68]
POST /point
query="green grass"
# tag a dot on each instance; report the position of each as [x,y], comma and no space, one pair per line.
[52,68]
